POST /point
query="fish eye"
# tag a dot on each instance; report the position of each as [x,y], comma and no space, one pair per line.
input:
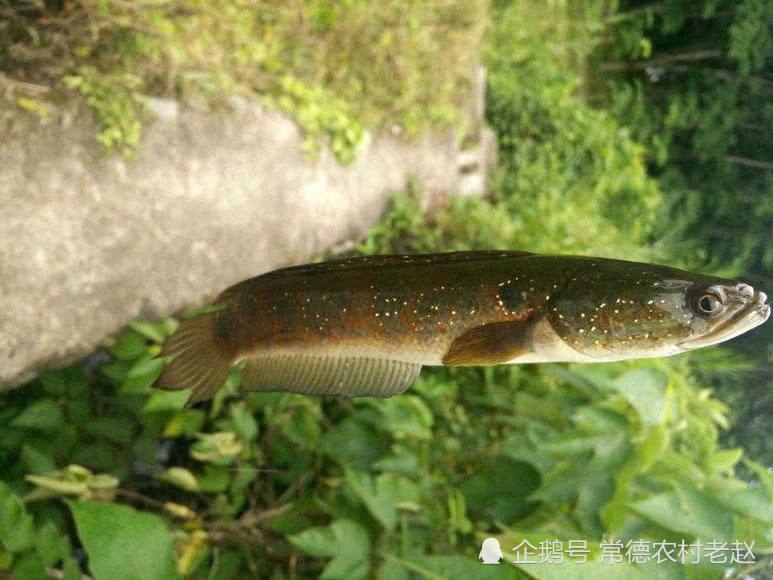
[710,303]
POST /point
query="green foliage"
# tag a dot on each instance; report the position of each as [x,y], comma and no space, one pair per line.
[751,41]
[569,178]
[116,106]
[345,541]
[566,163]
[338,67]
[72,480]
[25,549]
[123,543]
[699,100]
[401,486]
[282,485]
[397,487]
[324,117]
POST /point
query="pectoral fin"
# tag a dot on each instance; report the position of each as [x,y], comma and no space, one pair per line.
[490,344]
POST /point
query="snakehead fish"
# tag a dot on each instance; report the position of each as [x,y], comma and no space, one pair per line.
[365,326]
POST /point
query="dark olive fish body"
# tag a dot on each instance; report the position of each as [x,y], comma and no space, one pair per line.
[365,326]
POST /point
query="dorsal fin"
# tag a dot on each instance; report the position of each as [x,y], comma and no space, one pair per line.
[490,344]
[315,374]
[395,260]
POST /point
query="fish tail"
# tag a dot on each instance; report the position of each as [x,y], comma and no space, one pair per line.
[199,356]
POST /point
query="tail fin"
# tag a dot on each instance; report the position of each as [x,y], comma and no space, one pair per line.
[197,358]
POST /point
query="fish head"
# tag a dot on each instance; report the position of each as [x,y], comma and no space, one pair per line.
[614,310]
[723,311]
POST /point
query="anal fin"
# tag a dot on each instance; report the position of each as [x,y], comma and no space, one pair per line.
[328,375]
[490,344]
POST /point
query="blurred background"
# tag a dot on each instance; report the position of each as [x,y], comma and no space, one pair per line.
[627,129]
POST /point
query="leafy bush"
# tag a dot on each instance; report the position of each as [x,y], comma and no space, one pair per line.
[698,98]
[403,485]
[569,178]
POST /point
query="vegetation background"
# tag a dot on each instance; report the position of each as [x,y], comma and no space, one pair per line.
[625,129]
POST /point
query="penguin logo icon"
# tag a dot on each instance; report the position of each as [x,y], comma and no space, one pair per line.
[490,551]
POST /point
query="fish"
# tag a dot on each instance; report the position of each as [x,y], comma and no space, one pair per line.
[365,326]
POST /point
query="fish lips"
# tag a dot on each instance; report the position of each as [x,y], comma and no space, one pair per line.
[756,312]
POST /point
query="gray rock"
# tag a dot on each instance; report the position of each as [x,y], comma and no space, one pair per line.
[89,243]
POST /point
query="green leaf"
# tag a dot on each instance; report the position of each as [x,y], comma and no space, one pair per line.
[453,568]
[78,410]
[590,570]
[185,422]
[300,424]
[345,541]
[117,371]
[54,382]
[742,498]
[150,330]
[406,417]
[390,569]
[56,484]
[99,456]
[244,423]
[501,488]
[29,566]
[43,415]
[194,312]
[51,544]
[645,390]
[36,461]
[594,419]
[352,443]
[219,448]
[17,532]
[403,459]
[215,479]
[180,477]
[649,448]
[123,543]
[687,511]
[595,491]
[142,375]
[160,401]
[115,429]
[129,346]
[230,566]
[319,542]
[71,569]
[382,495]
[724,459]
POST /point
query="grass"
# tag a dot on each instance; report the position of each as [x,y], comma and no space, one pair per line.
[338,67]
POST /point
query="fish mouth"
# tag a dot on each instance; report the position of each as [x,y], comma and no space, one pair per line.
[756,312]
